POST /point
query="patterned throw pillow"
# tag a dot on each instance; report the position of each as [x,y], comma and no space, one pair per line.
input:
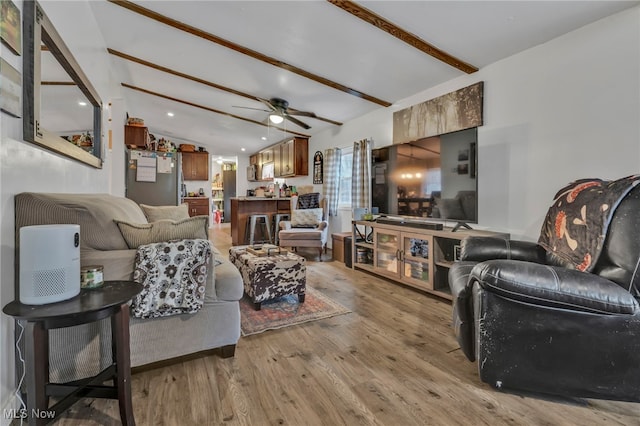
[309,201]
[173,277]
[137,234]
[156,213]
[307,218]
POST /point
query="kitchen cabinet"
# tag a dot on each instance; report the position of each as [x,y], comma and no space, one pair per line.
[290,158]
[136,136]
[417,257]
[266,156]
[195,165]
[198,206]
[293,158]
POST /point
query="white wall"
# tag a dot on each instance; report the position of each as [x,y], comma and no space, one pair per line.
[26,167]
[560,111]
[564,110]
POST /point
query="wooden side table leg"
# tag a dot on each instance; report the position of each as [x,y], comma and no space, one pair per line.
[37,370]
[120,348]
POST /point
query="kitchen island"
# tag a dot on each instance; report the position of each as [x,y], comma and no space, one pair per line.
[242,207]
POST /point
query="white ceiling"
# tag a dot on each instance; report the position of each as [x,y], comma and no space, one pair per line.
[319,38]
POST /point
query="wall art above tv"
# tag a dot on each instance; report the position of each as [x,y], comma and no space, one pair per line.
[448,113]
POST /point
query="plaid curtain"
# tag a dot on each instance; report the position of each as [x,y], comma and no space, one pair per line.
[332,159]
[361,175]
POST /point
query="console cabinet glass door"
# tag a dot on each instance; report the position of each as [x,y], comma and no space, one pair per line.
[386,245]
[416,259]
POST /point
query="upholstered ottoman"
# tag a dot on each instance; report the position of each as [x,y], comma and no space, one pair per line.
[270,277]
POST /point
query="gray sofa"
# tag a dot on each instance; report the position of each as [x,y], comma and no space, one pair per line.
[216,325]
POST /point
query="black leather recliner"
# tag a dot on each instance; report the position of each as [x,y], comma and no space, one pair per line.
[532,323]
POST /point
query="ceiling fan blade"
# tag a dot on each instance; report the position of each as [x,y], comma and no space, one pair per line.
[292,111]
[296,121]
[268,104]
[257,109]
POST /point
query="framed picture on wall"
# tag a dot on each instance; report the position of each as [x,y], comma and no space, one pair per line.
[10,89]
[317,167]
[10,25]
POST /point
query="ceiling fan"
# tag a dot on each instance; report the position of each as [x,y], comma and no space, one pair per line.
[279,111]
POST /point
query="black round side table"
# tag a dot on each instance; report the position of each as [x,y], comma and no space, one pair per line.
[90,305]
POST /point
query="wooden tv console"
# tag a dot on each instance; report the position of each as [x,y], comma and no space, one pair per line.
[414,256]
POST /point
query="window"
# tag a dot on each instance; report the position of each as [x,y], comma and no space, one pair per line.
[344,189]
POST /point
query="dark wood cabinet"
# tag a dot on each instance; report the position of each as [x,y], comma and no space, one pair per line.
[293,158]
[198,206]
[290,158]
[266,156]
[136,136]
[195,165]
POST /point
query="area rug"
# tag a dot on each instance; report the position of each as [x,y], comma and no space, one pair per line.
[286,311]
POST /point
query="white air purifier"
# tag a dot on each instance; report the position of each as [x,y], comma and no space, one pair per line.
[49,263]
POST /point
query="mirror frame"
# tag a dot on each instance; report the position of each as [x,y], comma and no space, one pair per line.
[36,29]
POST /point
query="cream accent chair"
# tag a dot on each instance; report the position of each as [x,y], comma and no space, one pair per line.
[307,228]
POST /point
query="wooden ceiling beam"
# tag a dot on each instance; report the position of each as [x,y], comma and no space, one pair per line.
[244,50]
[206,108]
[58,83]
[200,80]
[401,34]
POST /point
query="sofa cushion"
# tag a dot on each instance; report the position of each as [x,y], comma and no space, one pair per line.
[137,234]
[307,218]
[300,234]
[156,213]
[93,212]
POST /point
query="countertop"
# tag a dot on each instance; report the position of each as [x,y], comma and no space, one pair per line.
[260,198]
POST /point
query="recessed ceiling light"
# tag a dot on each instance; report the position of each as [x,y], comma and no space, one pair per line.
[82,103]
[242,149]
[170,114]
[264,138]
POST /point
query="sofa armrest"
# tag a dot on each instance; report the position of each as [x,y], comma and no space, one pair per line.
[462,312]
[227,280]
[553,287]
[118,264]
[479,249]
[324,227]
[285,225]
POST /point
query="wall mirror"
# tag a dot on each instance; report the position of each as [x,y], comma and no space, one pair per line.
[61,108]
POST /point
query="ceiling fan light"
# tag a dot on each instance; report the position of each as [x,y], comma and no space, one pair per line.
[276,118]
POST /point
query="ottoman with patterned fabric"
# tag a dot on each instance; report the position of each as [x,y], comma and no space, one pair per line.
[270,277]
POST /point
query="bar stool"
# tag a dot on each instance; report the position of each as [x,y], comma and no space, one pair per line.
[252,220]
[276,224]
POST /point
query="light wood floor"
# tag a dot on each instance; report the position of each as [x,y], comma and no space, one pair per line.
[392,361]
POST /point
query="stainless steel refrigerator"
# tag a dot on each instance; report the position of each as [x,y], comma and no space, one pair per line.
[154,178]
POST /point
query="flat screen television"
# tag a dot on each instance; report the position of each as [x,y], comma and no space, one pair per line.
[433,178]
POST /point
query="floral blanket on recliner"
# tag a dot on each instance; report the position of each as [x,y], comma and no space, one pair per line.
[173,275]
[576,225]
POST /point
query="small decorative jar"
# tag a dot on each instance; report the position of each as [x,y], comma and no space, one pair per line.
[91,276]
